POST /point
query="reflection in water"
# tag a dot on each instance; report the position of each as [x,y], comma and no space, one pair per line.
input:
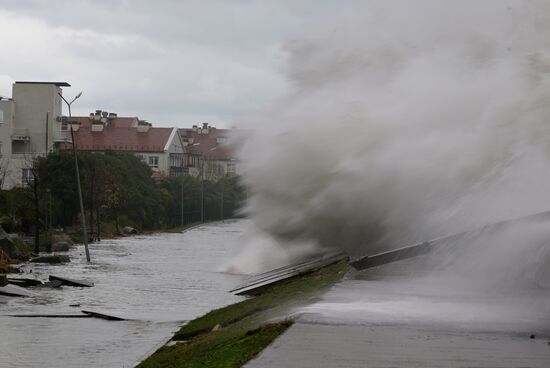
[156,281]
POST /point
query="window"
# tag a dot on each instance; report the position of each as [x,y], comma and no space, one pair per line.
[154,162]
[231,169]
[176,160]
[140,157]
[1,116]
[28,176]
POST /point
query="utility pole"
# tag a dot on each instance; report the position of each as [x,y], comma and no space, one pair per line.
[202,191]
[181,222]
[47,132]
[82,214]
[221,204]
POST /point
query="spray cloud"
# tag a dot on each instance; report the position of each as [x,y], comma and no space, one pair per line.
[405,122]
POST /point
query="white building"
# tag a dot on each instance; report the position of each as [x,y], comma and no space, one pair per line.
[30,126]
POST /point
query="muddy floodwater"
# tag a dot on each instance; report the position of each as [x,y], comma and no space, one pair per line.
[156,282]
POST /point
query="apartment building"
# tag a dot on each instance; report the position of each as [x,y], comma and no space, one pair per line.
[30,126]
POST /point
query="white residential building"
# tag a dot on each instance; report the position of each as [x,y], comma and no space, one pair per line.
[30,125]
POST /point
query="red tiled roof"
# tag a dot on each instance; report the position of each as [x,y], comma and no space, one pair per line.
[207,144]
[120,139]
[122,122]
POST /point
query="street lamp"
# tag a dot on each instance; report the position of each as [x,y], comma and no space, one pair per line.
[82,215]
[181,220]
[182,182]
[70,103]
[202,190]
[202,184]
[222,190]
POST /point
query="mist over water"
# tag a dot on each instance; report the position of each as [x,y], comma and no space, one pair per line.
[496,280]
[406,122]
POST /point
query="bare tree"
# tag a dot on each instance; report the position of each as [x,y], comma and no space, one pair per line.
[31,179]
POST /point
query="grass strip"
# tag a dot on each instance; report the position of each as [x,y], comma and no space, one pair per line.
[231,336]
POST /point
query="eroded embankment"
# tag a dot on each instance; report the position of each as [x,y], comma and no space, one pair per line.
[233,335]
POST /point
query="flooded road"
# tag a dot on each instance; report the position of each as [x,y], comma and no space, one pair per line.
[392,322]
[157,281]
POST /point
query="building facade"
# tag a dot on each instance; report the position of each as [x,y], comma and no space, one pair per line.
[210,151]
[160,148]
[30,126]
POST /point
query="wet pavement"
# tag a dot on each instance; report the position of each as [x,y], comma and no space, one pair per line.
[157,282]
[380,345]
[391,323]
[459,308]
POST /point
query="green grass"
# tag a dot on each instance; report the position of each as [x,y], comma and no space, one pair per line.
[217,349]
[231,336]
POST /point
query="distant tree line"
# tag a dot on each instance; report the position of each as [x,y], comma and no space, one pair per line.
[118,190]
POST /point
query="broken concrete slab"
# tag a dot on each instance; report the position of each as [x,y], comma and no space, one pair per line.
[71,282]
[102,316]
[13,290]
[24,282]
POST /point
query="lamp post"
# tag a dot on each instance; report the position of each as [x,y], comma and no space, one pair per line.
[82,215]
[221,201]
[202,185]
[202,190]
[181,221]
[49,215]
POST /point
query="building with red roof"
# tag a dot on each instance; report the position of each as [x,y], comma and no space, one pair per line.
[161,148]
[209,150]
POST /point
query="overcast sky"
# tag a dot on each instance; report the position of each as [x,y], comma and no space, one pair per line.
[170,62]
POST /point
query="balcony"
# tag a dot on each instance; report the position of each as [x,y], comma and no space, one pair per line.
[178,170]
[21,135]
[61,136]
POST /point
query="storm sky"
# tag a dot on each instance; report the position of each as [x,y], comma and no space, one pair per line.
[174,63]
